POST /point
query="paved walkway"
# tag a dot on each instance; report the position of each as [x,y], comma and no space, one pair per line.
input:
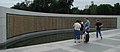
[109,43]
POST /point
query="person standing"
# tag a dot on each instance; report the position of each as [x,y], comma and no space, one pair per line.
[98,26]
[77,27]
[82,30]
[87,30]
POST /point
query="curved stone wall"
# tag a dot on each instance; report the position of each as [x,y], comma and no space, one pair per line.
[4,25]
[20,24]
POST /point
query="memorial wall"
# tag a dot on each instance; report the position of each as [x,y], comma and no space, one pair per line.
[18,24]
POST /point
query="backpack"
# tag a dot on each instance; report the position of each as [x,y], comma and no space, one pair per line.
[82,27]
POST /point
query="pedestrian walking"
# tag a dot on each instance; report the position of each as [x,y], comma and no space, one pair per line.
[98,26]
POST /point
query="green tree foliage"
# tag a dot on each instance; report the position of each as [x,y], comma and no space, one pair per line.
[104,9]
[61,6]
[85,11]
[75,10]
[41,5]
[55,6]
[64,6]
[21,6]
[116,9]
[93,9]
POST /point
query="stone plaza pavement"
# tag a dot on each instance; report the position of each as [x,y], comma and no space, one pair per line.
[109,43]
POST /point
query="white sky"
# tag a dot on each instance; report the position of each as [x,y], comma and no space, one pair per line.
[81,3]
[77,3]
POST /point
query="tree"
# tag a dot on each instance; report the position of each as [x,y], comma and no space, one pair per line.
[17,6]
[22,6]
[85,11]
[116,9]
[75,10]
[104,9]
[56,6]
[93,9]
[62,6]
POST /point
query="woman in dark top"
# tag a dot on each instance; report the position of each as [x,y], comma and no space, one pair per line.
[82,30]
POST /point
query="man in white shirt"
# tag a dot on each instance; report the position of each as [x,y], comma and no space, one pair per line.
[77,27]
